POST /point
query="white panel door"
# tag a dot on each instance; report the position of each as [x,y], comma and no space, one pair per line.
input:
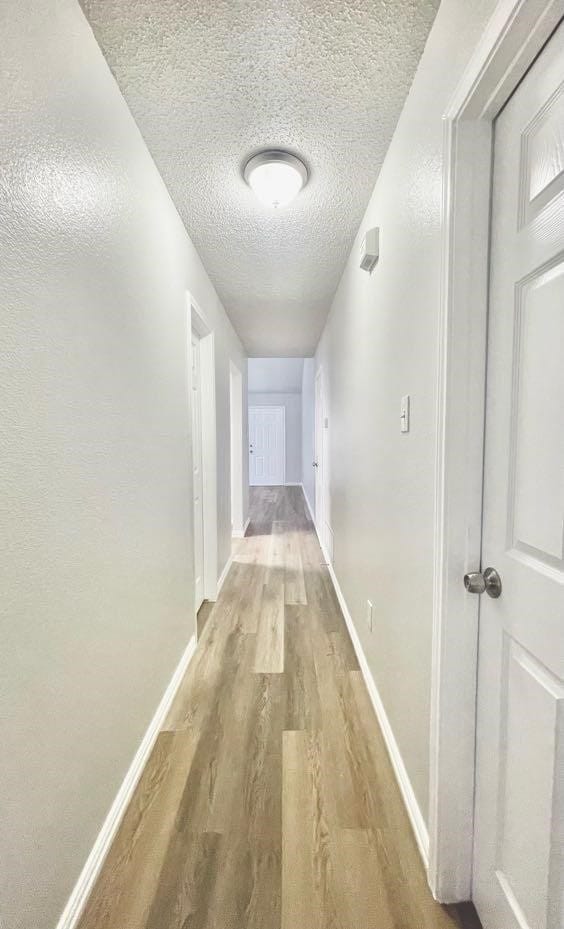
[266,445]
[197,475]
[519,824]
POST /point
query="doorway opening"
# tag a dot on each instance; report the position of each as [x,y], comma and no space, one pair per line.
[320,464]
[287,383]
[204,455]
[236,448]
[197,478]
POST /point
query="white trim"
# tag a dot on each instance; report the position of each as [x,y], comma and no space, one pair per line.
[236,405]
[310,508]
[277,406]
[77,901]
[514,36]
[201,325]
[320,477]
[240,533]
[413,810]
[223,575]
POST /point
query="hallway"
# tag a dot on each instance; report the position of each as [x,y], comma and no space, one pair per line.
[269,800]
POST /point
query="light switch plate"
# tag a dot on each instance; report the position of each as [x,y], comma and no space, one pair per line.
[404,414]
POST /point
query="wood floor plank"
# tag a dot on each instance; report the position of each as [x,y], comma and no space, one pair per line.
[269,801]
[127,885]
[303,710]
[340,751]
[406,882]
[306,863]
[360,888]
[215,660]
[269,657]
[317,581]
[294,583]
[250,600]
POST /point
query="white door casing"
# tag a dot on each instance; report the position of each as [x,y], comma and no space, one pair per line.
[519,815]
[200,326]
[197,473]
[267,445]
[236,446]
[513,37]
[319,457]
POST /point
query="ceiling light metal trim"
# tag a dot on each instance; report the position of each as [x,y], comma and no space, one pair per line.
[276,156]
[267,157]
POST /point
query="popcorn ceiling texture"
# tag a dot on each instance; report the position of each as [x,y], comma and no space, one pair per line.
[210,82]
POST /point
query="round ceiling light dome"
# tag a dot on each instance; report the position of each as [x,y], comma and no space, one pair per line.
[275,177]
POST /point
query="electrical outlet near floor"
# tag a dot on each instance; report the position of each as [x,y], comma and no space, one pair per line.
[369,614]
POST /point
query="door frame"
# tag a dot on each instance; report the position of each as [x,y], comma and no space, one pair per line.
[198,321]
[319,453]
[196,436]
[236,449]
[513,38]
[277,406]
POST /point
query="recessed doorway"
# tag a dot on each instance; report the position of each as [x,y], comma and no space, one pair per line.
[204,455]
[236,447]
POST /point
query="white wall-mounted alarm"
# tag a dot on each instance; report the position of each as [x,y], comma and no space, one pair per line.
[370,250]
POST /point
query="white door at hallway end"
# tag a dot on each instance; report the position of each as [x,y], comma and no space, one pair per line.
[519,819]
[267,445]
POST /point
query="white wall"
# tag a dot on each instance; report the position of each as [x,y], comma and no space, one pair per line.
[275,375]
[292,403]
[308,430]
[380,343]
[96,502]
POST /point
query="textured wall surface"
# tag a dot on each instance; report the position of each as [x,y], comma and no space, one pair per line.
[292,404]
[379,344]
[308,430]
[213,81]
[95,506]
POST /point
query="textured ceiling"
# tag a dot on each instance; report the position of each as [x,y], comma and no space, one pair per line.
[210,82]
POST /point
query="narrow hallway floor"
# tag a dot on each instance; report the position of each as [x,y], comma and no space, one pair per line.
[269,801]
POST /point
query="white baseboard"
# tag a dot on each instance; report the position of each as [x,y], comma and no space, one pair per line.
[89,874]
[309,506]
[415,816]
[293,484]
[223,575]
[240,533]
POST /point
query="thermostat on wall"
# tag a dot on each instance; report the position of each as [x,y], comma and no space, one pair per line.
[370,250]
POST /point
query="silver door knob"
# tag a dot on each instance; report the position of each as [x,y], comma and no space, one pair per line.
[488,582]
[315,465]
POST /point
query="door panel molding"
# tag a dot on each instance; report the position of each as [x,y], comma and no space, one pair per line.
[515,35]
[255,479]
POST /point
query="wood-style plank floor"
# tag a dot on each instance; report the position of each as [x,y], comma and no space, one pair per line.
[269,801]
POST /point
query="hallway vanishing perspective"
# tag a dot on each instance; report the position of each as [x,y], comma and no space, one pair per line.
[281,464]
[269,800]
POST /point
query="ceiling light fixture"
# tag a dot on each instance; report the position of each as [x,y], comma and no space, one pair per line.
[275,177]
